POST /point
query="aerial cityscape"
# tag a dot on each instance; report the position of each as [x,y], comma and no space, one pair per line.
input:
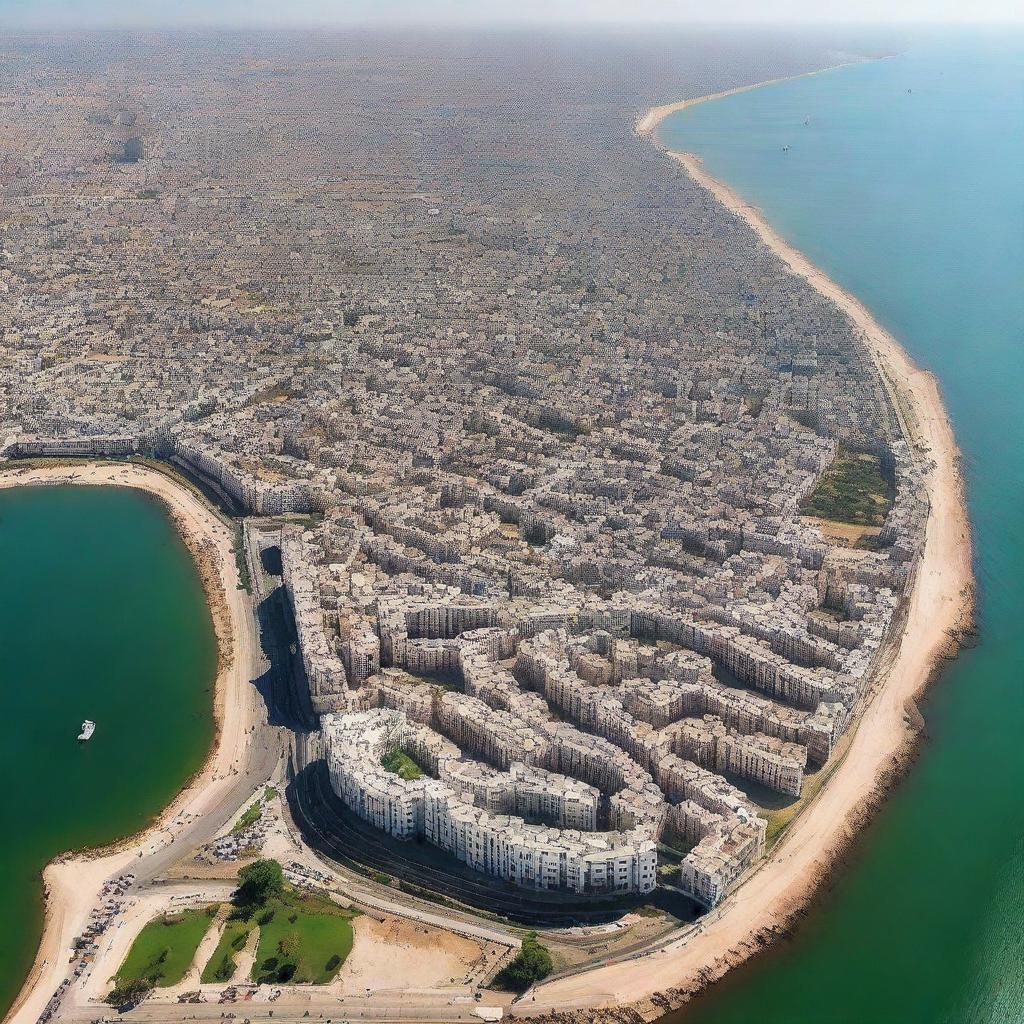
[577,551]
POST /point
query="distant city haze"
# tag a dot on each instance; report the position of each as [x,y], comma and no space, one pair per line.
[112,13]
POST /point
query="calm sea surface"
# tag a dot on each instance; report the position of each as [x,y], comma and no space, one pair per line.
[906,184]
[103,616]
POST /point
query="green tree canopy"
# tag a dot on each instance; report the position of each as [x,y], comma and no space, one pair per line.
[130,993]
[288,945]
[532,963]
[258,882]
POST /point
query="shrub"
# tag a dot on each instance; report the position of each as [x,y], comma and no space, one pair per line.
[252,815]
[532,963]
[129,993]
[288,945]
[225,969]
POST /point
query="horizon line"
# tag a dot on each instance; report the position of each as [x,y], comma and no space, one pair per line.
[442,25]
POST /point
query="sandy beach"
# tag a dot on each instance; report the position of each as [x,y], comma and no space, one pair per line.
[648,124]
[940,606]
[73,883]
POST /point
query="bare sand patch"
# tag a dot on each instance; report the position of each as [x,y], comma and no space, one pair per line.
[400,954]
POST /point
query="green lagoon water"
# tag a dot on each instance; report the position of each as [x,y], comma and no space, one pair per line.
[103,617]
[907,186]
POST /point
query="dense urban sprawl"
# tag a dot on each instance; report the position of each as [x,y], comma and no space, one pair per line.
[552,413]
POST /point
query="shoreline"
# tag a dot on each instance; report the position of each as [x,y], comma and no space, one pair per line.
[887,734]
[73,879]
[647,125]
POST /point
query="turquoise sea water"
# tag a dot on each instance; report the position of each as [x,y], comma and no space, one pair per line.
[103,617]
[907,186]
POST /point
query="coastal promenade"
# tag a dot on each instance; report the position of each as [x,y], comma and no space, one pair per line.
[940,608]
[245,753]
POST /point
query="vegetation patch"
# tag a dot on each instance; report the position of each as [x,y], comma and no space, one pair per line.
[241,562]
[646,910]
[258,882]
[753,403]
[128,994]
[424,894]
[252,815]
[303,939]
[401,764]
[164,950]
[780,819]
[532,963]
[854,489]
[222,965]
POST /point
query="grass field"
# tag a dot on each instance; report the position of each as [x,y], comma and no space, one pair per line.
[401,764]
[303,939]
[854,489]
[222,964]
[163,951]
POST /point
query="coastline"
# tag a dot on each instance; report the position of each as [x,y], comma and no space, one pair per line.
[73,880]
[647,125]
[939,610]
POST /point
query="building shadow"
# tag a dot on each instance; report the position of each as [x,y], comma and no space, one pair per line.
[283,685]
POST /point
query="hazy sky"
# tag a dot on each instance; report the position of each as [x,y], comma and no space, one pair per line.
[347,12]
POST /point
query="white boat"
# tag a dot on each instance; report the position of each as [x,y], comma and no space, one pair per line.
[88,728]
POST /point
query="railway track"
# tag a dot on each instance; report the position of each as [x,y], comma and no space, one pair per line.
[330,829]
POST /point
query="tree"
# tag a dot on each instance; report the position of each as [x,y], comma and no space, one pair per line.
[129,993]
[532,962]
[258,882]
[288,945]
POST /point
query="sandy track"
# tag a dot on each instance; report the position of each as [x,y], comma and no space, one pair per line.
[73,883]
[941,605]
